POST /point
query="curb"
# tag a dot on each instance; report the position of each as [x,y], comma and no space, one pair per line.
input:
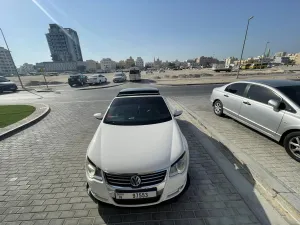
[84,89]
[25,125]
[274,188]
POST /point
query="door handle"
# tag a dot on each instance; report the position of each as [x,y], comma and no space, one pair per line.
[226,95]
[247,103]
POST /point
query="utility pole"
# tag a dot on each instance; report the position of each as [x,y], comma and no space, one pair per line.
[261,61]
[237,76]
[12,59]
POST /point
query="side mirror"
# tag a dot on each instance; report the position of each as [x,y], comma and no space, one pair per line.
[98,116]
[177,113]
[274,103]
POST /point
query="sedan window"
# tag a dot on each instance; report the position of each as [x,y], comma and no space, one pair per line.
[292,92]
[261,94]
[137,111]
[237,88]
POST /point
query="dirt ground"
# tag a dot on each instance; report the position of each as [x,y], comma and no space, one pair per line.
[169,76]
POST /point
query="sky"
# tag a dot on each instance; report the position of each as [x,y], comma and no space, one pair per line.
[168,29]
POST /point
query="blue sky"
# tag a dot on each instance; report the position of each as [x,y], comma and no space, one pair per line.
[169,29]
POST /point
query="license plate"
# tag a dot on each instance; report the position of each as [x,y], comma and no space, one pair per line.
[136,195]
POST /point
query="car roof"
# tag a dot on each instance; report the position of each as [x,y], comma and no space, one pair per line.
[138,92]
[277,83]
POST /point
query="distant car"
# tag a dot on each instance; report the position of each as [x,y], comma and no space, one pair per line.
[271,107]
[96,79]
[119,77]
[7,85]
[77,80]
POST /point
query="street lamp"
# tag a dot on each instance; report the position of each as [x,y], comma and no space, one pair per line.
[237,76]
[261,61]
[11,57]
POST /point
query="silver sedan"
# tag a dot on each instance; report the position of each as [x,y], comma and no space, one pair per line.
[271,107]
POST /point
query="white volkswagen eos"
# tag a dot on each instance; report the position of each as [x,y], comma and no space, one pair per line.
[138,155]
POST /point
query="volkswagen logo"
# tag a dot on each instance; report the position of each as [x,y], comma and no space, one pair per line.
[135,181]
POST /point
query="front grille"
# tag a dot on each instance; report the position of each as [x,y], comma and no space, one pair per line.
[123,180]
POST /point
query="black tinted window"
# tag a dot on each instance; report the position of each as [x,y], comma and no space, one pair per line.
[261,94]
[137,111]
[292,92]
[237,89]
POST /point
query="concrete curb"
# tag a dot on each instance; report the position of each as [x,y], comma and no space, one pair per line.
[273,187]
[26,124]
[91,88]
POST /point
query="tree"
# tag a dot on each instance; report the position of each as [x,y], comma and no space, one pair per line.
[171,65]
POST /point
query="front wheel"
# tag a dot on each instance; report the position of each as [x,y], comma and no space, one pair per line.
[218,108]
[291,144]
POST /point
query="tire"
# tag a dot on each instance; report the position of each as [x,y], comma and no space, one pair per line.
[218,108]
[290,144]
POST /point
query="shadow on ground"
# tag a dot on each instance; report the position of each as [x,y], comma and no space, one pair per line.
[210,198]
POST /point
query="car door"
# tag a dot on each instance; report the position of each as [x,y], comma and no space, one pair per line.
[256,112]
[233,97]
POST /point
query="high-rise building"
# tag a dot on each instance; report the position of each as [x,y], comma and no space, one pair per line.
[139,62]
[7,65]
[63,44]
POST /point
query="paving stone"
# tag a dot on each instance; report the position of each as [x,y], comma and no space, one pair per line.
[50,184]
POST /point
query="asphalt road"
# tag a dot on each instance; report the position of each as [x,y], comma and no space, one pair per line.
[66,94]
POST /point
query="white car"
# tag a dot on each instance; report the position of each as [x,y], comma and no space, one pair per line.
[138,155]
[96,79]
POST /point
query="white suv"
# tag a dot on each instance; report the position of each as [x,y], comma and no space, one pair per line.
[138,155]
[96,79]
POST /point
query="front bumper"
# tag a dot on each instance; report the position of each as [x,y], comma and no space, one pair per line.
[169,188]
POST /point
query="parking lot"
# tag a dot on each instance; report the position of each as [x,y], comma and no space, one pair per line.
[42,175]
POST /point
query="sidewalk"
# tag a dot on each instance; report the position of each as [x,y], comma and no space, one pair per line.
[272,169]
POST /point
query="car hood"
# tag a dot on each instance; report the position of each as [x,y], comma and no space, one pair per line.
[132,149]
[7,83]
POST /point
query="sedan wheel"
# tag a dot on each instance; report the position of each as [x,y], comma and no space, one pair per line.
[292,145]
[218,108]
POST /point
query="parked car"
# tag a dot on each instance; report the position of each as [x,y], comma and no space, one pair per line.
[138,155]
[96,79]
[7,85]
[119,77]
[271,107]
[77,80]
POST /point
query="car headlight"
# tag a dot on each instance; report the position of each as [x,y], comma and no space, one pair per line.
[92,171]
[179,166]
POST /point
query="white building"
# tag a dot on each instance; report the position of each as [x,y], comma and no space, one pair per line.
[139,62]
[91,65]
[108,65]
[26,68]
[7,65]
[230,62]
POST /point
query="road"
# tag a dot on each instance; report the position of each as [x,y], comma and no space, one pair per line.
[42,177]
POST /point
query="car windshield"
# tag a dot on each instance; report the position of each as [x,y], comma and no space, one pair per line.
[137,111]
[292,92]
[134,72]
[3,79]
[118,75]
[74,76]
